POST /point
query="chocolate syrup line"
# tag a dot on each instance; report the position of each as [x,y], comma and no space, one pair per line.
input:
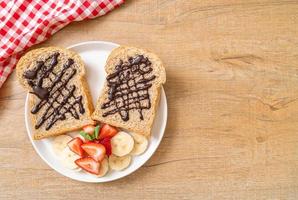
[57,114]
[73,112]
[119,93]
[56,81]
[38,90]
[56,111]
[49,96]
[143,97]
[121,100]
[54,99]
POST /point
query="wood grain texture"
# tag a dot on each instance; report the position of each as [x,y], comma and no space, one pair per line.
[232,89]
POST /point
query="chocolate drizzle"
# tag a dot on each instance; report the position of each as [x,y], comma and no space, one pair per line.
[129,87]
[57,98]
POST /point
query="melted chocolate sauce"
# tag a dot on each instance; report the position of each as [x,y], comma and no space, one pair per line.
[50,96]
[129,87]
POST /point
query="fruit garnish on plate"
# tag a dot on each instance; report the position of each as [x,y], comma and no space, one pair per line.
[95,144]
[107,131]
[97,148]
[104,167]
[119,163]
[122,144]
[140,144]
[88,164]
[107,143]
[94,150]
[68,159]
[75,146]
[90,132]
[89,129]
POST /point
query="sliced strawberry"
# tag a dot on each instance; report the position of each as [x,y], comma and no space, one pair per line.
[89,129]
[96,141]
[107,143]
[82,138]
[107,131]
[96,151]
[88,164]
[75,146]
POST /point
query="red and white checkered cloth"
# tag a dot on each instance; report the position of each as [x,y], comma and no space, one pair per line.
[24,23]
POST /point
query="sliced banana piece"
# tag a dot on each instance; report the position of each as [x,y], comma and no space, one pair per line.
[119,163]
[59,143]
[122,144]
[68,158]
[140,145]
[104,167]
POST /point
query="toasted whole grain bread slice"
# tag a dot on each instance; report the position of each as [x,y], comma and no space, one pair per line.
[124,67]
[66,100]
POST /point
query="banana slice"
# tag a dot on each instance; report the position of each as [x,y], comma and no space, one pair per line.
[68,158]
[122,144]
[119,163]
[104,167]
[59,143]
[140,145]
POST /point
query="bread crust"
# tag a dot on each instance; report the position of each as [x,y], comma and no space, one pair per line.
[66,125]
[141,127]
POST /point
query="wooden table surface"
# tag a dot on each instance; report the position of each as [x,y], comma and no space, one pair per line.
[232,90]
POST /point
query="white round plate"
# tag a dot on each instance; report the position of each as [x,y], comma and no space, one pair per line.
[95,54]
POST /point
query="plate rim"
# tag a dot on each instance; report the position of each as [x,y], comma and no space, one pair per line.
[28,123]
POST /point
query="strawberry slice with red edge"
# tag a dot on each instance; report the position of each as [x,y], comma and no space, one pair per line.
[107,143]
[88,164]
[96,151]
[107,131]
[75,146]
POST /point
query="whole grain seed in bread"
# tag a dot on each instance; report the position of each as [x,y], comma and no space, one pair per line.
[131,92]
[59,98]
